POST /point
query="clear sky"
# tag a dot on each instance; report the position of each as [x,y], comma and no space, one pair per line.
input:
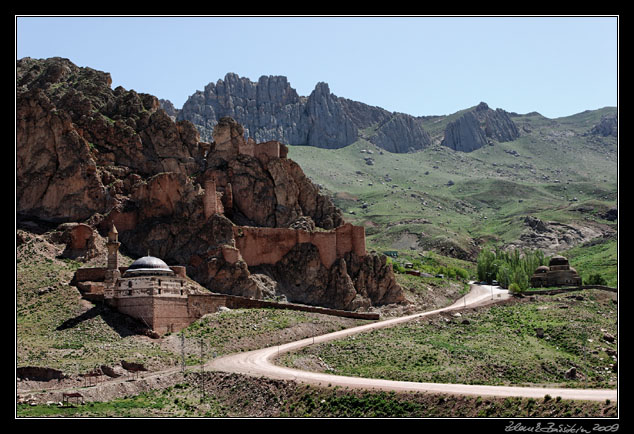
[557,66]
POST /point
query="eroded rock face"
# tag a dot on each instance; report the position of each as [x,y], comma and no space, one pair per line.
[552,237]
[56,175]
[72,128]
[351,283]
[89,156]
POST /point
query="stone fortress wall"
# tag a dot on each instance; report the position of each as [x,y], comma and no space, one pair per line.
[264,245]
[259,246]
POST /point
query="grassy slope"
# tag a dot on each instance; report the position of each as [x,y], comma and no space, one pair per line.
[497,345]
[231,395]
[404,200]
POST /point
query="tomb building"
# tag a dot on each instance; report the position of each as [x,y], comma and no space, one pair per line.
[557,273]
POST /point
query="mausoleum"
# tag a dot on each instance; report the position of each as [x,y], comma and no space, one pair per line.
[557,273]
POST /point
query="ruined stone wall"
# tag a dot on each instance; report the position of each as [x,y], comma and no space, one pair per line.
[267,150]
[94,274]
[140,308]
[236,302]
[260,245]
[202,304]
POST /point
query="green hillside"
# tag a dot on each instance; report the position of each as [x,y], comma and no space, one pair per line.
[442,199]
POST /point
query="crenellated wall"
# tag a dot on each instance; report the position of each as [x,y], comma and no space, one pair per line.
[259,245]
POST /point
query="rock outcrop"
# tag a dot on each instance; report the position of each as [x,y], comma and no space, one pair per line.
[479,127]
[552,237]
[272,110]
[608,126]
[89,156]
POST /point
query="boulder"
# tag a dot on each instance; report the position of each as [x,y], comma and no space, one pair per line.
[571,373]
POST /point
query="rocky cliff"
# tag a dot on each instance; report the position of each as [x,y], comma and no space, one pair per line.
[272,110]
[478,127]
[92,155]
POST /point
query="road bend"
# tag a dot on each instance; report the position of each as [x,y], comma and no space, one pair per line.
[260,362]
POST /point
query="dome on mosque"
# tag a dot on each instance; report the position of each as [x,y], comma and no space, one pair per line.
[148,265]
[558,260]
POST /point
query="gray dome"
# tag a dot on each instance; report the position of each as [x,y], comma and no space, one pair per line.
[148,265]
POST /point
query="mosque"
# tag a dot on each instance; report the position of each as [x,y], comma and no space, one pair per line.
[148,290]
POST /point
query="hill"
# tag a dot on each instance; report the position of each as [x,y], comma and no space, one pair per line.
[454,202]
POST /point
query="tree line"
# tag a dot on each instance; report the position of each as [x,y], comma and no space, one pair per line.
[512,270]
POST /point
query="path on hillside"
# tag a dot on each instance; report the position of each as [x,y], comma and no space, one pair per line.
[259,362]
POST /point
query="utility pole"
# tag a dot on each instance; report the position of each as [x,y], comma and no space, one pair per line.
[183,353]
[202,371]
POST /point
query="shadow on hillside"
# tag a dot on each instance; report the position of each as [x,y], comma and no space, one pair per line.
[122,324]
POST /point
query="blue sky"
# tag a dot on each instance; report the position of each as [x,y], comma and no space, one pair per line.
[557,66]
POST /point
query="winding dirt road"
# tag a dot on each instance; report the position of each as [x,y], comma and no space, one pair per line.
[259,362]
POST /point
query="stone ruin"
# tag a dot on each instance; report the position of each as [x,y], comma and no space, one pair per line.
[309,264]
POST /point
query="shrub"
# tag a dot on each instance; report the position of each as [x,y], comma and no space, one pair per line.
[596,279]
[514,287]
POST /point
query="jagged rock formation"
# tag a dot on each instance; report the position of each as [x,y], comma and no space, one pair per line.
[272,110]
[478,127]
[91,156]
[169,108]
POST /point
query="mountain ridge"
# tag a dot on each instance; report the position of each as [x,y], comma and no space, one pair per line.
[271,109]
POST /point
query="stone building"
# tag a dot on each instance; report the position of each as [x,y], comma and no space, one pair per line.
[162,297]
[557,273]
[148,290]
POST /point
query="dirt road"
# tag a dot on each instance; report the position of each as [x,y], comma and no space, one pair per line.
[259,362]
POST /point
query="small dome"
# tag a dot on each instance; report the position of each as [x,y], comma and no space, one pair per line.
[558,260]
[542,269]
[148,265]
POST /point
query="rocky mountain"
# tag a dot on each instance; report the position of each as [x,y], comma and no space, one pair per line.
[272,110]
[92,156]
[476,128]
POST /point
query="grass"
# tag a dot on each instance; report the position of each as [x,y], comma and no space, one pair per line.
[248,329]
[232,395]
[497,345]
[559,171]
[596,257]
